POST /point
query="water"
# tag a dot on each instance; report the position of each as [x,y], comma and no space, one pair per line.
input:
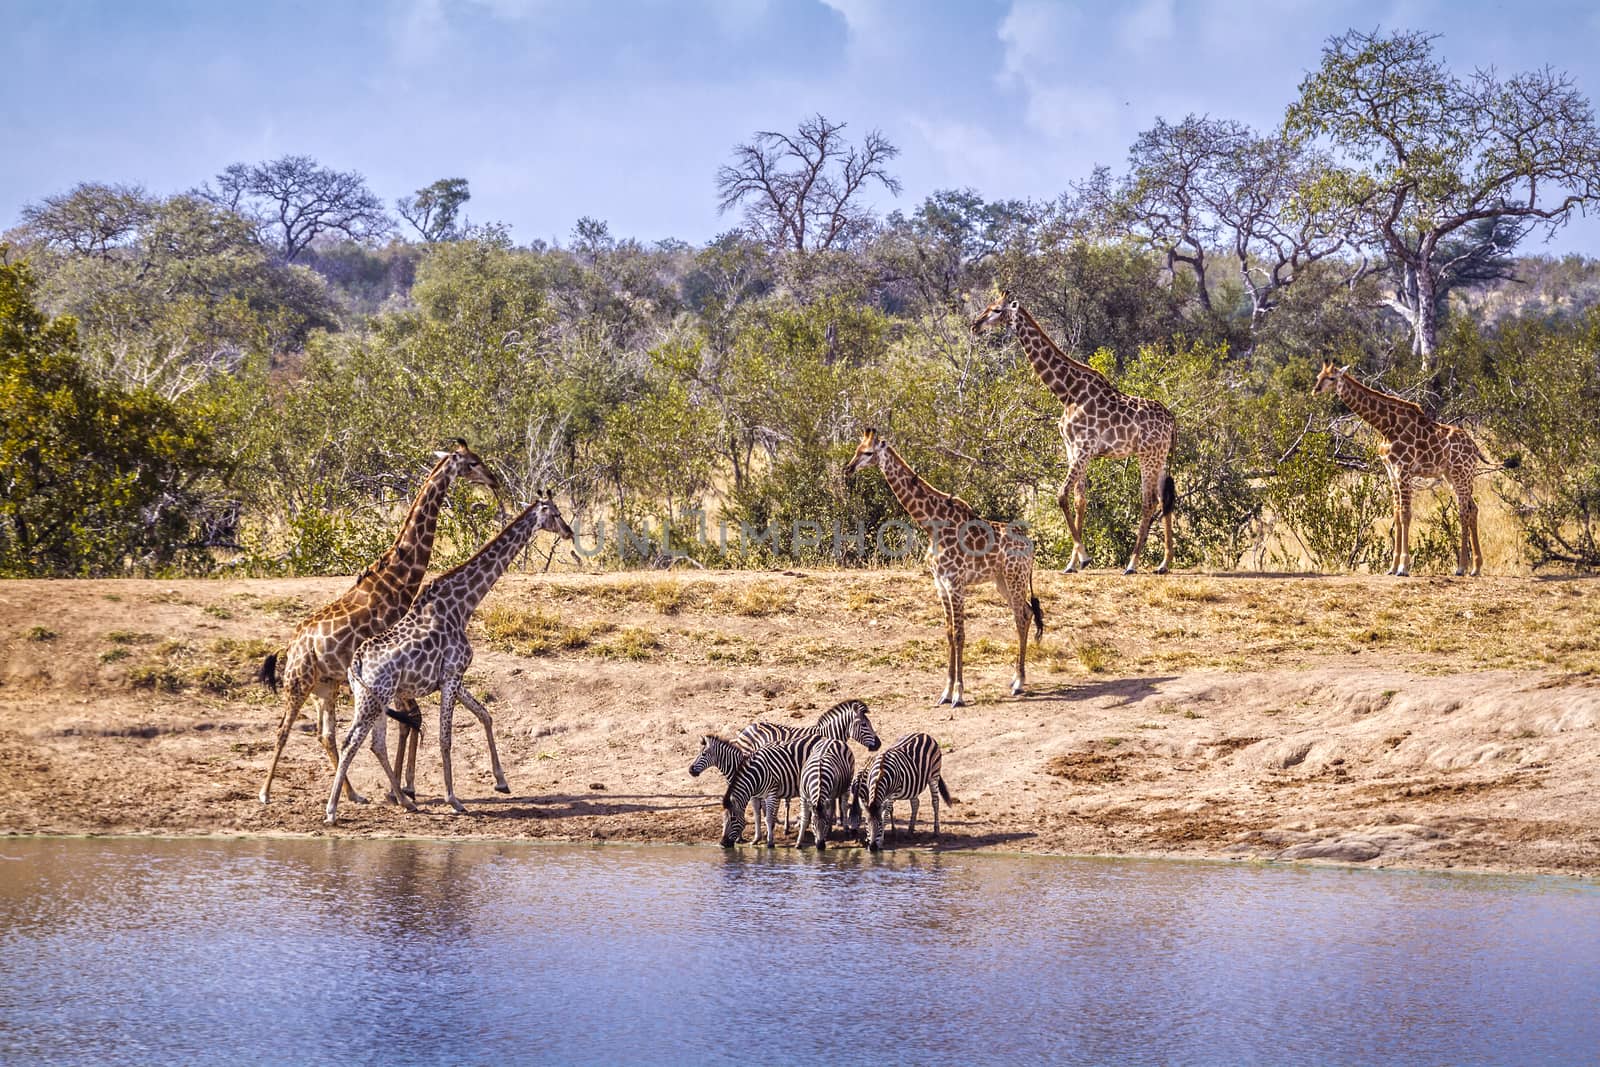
[263,951]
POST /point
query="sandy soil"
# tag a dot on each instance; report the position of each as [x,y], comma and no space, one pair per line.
[1424,723]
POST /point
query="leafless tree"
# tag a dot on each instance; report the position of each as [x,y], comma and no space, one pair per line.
[802,192]
[295,199]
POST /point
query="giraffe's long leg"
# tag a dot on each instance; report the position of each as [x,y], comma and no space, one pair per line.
[1394,529]
[1015,588]
[328,733]
[950,647]
[296,690]
[478,709]
[368,710]
[1403,555]
[1149,505]
[958,629]
[1471,552]
[447,710]
[1076,486]
[411,739]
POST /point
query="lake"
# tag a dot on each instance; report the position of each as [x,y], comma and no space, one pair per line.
[299,951]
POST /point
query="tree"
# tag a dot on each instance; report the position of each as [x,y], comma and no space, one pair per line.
[89,219]
[298,200]
[1207,187]
[936,252]
[1430,153]
[432,210]
[184,292]
[91,476]
[802,192]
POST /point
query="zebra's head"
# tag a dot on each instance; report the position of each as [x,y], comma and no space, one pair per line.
[732,822]
[861,727]
[702,761]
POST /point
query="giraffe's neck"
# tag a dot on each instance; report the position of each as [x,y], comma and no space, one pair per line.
[462,589]
[403,566]
[1384,413]
[1071,381]
[925,504]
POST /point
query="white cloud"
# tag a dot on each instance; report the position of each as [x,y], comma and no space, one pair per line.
[1038,39]
[1152,22]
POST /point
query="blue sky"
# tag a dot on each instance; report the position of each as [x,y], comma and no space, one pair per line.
[624,110]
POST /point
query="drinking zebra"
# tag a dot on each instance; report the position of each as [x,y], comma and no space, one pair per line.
[903,771]
[845,721]
[824,784]
[766,775]
[725,756]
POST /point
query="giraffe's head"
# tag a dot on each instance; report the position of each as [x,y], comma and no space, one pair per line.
[547,516]
[868,452]
[1328,379]
[463,463]
[1003,309]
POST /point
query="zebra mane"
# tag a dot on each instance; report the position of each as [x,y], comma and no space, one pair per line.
[843,712]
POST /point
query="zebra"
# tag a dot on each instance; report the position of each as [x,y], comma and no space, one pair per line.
[824,784]
[903,770]
[846,721]
[725,756]
[767,774]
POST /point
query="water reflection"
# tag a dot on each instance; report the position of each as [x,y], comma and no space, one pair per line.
[298,951]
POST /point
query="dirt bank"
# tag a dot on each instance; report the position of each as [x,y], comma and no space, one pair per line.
[1421,723]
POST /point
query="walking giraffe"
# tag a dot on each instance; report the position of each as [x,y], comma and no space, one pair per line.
[963,550]
[1415,448]
[428,651]
[1099,420]
[319,652]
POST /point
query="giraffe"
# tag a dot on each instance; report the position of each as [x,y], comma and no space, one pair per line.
[428,650]
[318,655]
[1416,448]
[963,550]
[1099,420]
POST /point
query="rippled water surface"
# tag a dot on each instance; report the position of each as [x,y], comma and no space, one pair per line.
[152,951]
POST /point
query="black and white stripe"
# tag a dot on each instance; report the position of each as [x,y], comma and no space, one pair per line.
[846,721]
[824,784]
[725,756]
[767,775]
[901,772]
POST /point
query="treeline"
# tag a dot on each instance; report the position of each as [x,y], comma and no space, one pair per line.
[253,374]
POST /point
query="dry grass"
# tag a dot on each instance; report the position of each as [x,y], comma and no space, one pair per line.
[755,600]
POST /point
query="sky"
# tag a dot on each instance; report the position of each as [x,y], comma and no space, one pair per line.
[558,109]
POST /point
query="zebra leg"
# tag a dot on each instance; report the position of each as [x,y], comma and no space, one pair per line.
[933,795]
[772,819]
[911,827]
[805,822]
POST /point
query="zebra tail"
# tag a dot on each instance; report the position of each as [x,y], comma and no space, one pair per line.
[944,791]
[1038,618]
[1169,495]
[268,674]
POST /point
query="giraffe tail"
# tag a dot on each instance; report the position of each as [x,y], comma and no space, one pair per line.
[1038,618]
[1169,495]
[268,674]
